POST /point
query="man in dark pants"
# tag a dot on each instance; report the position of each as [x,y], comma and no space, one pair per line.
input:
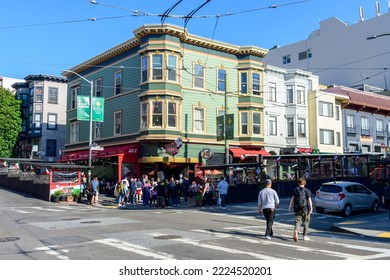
[268,201]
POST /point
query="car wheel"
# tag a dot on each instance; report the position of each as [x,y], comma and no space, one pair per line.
[375,206]
[320,209]
[347,210]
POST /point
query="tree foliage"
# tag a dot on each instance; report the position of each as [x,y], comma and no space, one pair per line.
[10,121]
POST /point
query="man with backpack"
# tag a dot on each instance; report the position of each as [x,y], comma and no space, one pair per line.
[303,207]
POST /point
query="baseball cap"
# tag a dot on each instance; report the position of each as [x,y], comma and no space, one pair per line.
[268,181]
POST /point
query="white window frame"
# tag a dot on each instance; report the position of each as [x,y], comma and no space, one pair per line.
[144,115]
[118,86]
[272,92]
[199,119]
[327,137]
[74,132]
[273,125]
[301,127]
[74,92]
[243,82]
[255,125]
[157,115]
[157,67]
[97,130]
[117,123]
[53,94]
[256,79]
[290,127]
[172,68]
[172,115]
[325,109]
[290,94]
[51,123]
[301,95]
[221,80]
[199,75]
[98,87]
[350,121]
[144,68]
[244,123]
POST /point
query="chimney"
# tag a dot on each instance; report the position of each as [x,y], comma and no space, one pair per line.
[377,8]
[361,13]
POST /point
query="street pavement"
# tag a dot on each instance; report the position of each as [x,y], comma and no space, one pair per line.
[377,226]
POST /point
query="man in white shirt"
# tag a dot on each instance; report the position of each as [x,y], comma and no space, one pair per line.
[268,201]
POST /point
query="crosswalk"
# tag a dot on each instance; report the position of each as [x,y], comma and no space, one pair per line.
[240,241]
[60,208]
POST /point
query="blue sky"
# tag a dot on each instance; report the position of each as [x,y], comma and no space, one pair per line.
[46,36]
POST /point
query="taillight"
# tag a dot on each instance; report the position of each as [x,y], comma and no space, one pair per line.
[318,193]
[341,196]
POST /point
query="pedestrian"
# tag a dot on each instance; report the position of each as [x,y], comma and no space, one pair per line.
[146,193]
[186,188]
[132,191]
[386,198]
[303,207]
[125,192]
[95,186]
[208,193]
[118,190]
[89,190]
[223,190]
[267,202]
[160,189]
[176,194]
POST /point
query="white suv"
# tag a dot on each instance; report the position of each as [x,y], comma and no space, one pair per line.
[345,197]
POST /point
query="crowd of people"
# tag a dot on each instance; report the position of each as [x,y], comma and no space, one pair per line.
[158,193]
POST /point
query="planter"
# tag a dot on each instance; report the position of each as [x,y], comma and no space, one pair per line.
[69,198]
[55,198]
[62,197]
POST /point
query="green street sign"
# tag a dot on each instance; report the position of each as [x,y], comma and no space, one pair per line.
[220,128]
[98,109]
[229,127]
[83,108]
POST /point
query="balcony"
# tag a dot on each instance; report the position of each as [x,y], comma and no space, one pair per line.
[366,132]
[380,134]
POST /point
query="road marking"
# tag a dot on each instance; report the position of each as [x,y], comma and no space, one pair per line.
[134,248]
[50,251]
[381,252]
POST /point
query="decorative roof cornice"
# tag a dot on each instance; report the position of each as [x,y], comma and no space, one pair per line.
[172,30]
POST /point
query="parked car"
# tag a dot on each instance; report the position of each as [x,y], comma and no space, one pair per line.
[345,197]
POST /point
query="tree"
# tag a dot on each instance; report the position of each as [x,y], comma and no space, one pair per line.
[10,121]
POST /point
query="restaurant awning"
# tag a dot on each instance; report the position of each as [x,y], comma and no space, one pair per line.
[241,152]
[130,153]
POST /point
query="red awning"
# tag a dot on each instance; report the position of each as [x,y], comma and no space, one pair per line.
[130,153]
[238,152]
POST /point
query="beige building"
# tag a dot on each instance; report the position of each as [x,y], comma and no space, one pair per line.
[326,121]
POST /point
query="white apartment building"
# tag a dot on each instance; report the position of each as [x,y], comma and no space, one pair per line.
[7,82]
[339,53]
[286,109]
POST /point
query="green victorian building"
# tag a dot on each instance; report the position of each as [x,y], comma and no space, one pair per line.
[163,91]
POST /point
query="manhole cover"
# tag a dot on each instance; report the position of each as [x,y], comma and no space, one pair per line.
[8,239]
[90,222]
[165,237]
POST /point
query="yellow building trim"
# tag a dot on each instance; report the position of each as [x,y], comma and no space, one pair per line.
[168,160]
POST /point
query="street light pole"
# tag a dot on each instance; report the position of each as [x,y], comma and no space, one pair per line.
[90,122]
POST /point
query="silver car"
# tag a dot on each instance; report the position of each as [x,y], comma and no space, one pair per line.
[345,197]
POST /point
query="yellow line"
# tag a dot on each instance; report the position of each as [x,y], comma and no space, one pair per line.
[384,235]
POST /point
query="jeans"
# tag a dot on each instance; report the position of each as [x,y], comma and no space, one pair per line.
[302,218]
[269,214]
[223,200]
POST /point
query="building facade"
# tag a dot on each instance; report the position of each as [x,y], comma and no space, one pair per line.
[339,53]
[163,91]
[326,121]
[366,120]
[43,108]
[286,109]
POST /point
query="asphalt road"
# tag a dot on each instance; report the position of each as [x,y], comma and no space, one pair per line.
[32,229]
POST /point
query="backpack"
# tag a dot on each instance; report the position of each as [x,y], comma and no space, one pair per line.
[300,199]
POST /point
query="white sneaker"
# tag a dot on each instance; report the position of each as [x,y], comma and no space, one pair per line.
[306,238]
[267,237]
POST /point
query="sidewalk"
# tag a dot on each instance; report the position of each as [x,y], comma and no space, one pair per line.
[377,227]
